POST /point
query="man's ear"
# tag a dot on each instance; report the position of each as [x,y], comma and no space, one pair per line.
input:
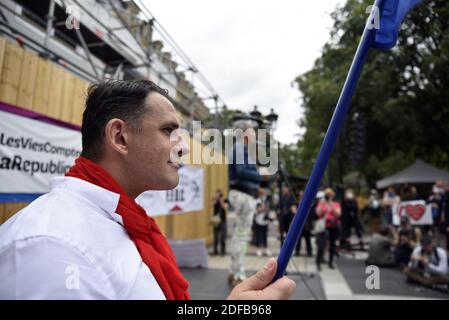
[116,135]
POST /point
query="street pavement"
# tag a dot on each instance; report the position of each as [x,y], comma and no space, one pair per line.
[345,282]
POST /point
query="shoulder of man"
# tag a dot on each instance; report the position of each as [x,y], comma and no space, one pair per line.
[44,267]
[441,253]
[72,232]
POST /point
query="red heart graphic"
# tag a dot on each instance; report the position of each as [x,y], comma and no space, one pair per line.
[415,211]
[176,208]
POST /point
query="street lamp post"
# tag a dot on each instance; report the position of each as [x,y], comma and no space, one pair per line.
[272,118]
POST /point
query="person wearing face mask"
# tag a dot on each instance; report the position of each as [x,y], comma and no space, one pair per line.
[330,211]
[374,212]
[350,220]
[390,198]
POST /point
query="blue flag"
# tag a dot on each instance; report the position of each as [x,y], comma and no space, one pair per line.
[392,14]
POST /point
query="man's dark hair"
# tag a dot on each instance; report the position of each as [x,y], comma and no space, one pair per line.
[426,240]
[119,99]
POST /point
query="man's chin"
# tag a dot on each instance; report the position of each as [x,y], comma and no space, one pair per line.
[170,183]
[163,183]
[174,185]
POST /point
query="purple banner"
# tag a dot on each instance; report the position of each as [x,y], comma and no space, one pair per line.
[37,116]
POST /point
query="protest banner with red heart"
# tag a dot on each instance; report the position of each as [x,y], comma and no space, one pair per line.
[415,211]
[419,212]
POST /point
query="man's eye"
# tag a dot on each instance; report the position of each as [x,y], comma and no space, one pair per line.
[168,130]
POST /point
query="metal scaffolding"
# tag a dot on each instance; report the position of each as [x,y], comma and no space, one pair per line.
[108,39]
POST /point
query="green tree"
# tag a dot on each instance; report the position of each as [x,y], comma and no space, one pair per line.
[402,94]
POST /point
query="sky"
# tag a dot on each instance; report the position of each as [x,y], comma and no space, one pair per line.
[251,51]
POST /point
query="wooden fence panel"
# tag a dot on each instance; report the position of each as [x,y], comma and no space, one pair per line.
[27,83]
[2,54]
[67,97]
[78,101]
[56,92]
[12,208]
[194,225]
[2,212]
[42,92]
[12,65]
[162,223]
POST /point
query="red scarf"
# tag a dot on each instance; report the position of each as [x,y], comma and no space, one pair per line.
[142,229]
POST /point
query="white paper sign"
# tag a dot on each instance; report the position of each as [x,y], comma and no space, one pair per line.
[186,197]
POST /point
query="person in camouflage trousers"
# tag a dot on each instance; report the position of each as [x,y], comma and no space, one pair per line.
[245,208]
[244,180]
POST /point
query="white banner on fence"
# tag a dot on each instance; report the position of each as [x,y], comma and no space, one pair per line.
[418,211]
[186,197]
[32,152]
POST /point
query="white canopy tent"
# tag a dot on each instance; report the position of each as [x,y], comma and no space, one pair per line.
[418,172]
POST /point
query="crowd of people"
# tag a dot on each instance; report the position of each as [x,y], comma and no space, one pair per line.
[418,250]
[351,222]
[391,238]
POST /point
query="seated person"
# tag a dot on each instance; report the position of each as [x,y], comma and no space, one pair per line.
[404,248]
[380,252]
[428,264]
[414,232]
[406,240]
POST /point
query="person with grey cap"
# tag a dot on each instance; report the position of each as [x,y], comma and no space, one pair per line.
[244,180]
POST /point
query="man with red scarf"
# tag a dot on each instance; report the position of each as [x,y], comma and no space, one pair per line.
[87,238]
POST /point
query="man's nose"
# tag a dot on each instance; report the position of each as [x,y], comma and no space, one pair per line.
[181,148]
[184,148]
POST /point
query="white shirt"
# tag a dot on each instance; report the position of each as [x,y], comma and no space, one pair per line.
[438,268]
[71,244]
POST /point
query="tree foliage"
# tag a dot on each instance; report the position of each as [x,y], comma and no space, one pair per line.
[403,94]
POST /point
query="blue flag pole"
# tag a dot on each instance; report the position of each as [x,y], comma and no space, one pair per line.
[395,12]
